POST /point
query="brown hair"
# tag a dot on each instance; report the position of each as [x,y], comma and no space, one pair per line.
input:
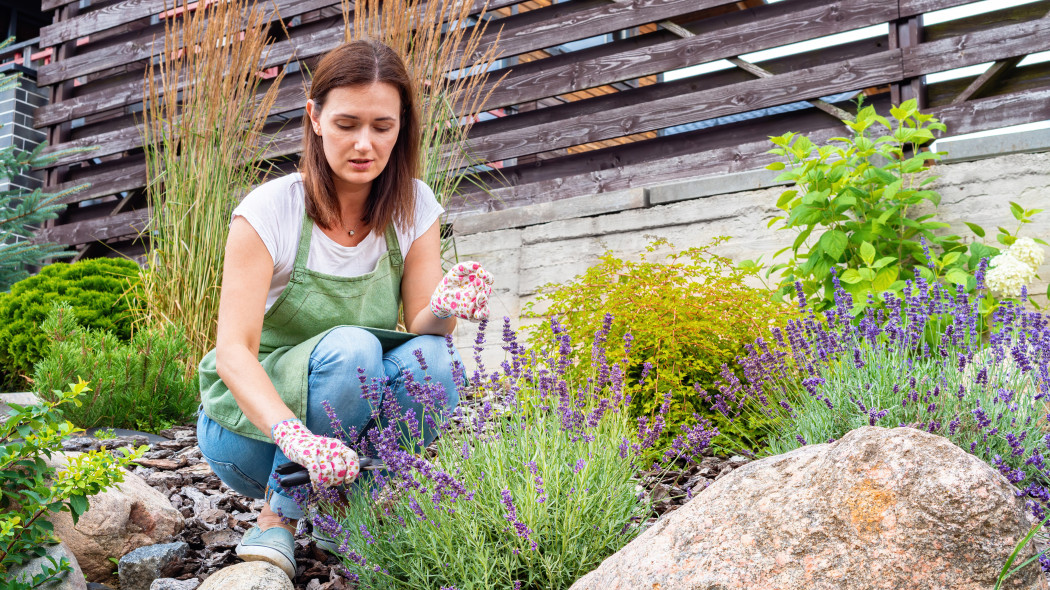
[392,196]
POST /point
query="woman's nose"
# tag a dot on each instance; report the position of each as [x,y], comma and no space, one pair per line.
[363,141]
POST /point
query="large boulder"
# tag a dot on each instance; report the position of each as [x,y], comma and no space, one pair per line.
[121,519]
[71,580]
[880,508]
[248,575]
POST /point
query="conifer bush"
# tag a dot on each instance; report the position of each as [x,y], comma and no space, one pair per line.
[689,315]
[95,290]
[138,383]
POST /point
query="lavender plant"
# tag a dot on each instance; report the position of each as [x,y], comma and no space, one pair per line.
[531,490]
[921,363]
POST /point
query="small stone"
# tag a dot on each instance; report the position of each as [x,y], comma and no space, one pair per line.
[199,470]
[313,584]
[221,538]
[80,444]
[166,464]
[173,584]
[214,516]
[250,575]
[138,569]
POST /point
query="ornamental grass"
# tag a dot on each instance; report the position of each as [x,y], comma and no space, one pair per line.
[205,109]
[532,490]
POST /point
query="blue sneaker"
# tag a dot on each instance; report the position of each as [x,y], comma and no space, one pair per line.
[274,545]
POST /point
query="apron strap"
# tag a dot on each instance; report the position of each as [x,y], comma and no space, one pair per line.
[302,254]
[394,248]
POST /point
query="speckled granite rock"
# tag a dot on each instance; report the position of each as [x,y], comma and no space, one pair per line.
[248,575]
[878,509]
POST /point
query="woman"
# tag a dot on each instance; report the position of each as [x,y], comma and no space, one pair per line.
[317,267]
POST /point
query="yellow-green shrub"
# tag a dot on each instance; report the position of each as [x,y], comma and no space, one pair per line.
[688,315]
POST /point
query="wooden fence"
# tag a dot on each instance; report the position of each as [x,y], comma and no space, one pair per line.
[586,106]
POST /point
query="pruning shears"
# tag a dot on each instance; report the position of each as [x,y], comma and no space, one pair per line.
[292,474]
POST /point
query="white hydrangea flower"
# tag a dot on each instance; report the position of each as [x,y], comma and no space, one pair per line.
[1008,275]
[1028,252]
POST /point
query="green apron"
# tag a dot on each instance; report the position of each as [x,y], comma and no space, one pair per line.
[310,306]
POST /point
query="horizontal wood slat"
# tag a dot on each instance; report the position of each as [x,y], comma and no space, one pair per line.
[980,47]
[144,48]
[290,96]
[572,21]
[772,31]
[704,104]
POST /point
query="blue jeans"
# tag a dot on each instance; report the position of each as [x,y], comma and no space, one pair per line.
[246,465]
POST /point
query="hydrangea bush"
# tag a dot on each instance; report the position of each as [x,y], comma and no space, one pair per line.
[533,490]
[921,363]
[1015,269]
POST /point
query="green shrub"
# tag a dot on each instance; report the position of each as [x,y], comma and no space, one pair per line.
[93,288]
[688,317]
[139,383]
[33,488]
[861,194]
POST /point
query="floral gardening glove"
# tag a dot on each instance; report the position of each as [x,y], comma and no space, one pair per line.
[463,292]
[329,461]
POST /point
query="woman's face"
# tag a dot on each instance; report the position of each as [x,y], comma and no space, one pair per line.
[358,126]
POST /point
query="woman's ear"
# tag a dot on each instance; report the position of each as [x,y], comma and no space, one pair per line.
[314,115]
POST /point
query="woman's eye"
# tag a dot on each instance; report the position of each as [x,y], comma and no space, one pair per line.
[383,129]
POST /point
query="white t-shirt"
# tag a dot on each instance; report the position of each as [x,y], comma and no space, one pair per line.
[276,211]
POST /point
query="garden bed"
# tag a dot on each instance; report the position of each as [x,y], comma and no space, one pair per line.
[216,516]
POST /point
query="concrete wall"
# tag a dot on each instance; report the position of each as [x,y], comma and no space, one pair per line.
[528,247]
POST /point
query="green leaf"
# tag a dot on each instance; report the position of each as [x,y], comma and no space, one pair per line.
[786,198]
[957,276]
[949,258]
[867,253]
[976,229]
[776,166]
[851,276]
[1017,211]
[885,279]
[834,243]
[881,262]
[78,505]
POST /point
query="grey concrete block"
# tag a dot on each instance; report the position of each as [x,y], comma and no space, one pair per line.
[961,150]
[574,207]
[713,185]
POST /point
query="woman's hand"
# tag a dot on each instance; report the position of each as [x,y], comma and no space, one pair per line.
[463,292]
[329,461]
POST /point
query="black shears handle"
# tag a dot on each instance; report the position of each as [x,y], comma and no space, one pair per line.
[292,474]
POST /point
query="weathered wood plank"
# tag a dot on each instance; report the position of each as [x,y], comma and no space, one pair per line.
[982,46]
[101,19]
[570,21]
[289,98]
[125,178]
[124,225]
[131,10]
[773,28]
[732,148]
[698,153]
[877,69]
[988,20]
[144,48]
[301,46]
